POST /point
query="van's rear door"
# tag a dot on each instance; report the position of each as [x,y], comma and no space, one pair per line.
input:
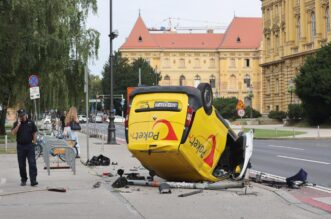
[157,120]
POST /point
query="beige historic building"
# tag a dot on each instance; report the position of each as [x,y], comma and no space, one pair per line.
[292,30]
[230,61]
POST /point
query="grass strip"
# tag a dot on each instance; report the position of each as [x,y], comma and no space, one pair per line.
[273,133]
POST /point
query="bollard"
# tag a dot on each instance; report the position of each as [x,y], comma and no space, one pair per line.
[318,131]
[6,143]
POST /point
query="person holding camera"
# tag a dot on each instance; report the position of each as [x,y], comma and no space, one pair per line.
[26,136]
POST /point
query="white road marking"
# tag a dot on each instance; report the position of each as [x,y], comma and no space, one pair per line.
[278,146]
[312,161]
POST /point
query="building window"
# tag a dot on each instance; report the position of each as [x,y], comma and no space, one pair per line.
[313,24]
[233,83]
[167,80]
[277,86]
[232,63]
[298,29]
[247,63]
[167,63]
[181,63]
[182,80]
[197,80]
[212,81]
[268,86]
[247,81]
[277,108]
[327,19]
[212,63]
[197,63]
[140,39]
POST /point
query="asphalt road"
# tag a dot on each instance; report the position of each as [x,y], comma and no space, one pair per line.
[286,157]
[282,157]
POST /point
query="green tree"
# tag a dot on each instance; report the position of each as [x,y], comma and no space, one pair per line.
[126,75]
[313,86]
[226,107]
[48,38]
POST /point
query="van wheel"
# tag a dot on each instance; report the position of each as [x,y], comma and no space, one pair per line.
[207,97]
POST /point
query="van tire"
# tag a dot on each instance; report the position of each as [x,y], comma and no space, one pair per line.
[207,97]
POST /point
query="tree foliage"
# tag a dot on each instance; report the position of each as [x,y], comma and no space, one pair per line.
[313,86]
[126,75]
[226,107]
[47,38]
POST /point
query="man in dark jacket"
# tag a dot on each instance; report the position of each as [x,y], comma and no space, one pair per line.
[26,136]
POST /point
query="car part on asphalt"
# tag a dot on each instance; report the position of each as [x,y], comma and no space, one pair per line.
[100,160]
[121,181]
[51,189]
[294,182]
[191,193]
[183,185]
[164,188]
[298,179]
[134,176]
[97,185]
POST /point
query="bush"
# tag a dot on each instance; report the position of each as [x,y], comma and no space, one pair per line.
[295,111]
[226,107]
[279,115]
[256,114]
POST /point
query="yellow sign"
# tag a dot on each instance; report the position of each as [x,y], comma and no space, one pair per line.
[240,105]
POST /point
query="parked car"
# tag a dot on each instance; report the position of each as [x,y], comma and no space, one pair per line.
[178,134]
[82,118]
[99,117]
[118,119]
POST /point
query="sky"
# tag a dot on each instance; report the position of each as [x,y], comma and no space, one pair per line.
[156,13]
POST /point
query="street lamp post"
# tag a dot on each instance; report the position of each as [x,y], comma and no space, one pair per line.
[250,96]
[111,127]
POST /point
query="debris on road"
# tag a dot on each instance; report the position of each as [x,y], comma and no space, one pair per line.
[191,193]
[164,188]
[97,185]
[50,189]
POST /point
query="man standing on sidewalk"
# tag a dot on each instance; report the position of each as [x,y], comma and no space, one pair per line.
[26,136]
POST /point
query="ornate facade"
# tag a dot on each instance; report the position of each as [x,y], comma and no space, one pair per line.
[292,30]
[230,62]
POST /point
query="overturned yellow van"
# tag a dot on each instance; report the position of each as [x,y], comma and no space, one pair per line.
[178,134]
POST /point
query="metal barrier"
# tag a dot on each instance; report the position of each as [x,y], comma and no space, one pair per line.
[50,144]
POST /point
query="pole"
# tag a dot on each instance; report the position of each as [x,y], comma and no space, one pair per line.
[139,84]
[35,110]
[87,114]
[111,126]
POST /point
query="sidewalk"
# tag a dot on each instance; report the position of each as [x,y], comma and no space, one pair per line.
[310,132]
[83,201]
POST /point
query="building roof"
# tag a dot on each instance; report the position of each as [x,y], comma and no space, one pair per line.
[243,33]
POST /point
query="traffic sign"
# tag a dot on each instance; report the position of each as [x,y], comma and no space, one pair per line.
[34,93]
[33,81]
[240,105]
[241,112]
